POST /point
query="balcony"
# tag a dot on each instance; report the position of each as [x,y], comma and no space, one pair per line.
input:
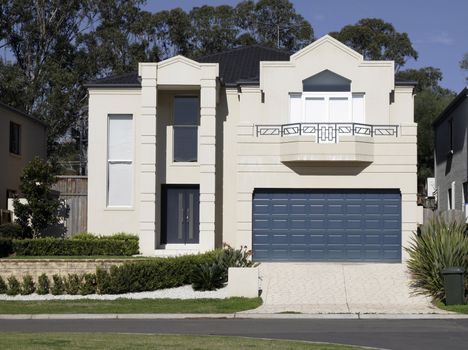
[327,142]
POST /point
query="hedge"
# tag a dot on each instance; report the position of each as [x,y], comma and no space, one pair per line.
[153,274]
[120,245]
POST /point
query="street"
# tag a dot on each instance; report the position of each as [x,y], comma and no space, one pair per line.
[387,334]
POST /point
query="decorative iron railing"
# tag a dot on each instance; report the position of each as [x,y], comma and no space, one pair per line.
[327,132]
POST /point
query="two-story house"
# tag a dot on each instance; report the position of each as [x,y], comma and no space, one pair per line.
[22,137]
[302,157]
[451,155]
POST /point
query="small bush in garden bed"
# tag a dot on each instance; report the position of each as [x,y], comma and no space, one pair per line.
[88,284]
[3,286]
[58,287]
[6,247]
[120,246]
[72,284]
[103,281]
[14,287]
[43,284]
[28,286]
[208,276]
[441,243]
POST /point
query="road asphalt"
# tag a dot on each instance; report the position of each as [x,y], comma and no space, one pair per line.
[392,334]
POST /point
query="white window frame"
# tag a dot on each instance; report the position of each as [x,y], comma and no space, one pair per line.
[326,96]
[120,161]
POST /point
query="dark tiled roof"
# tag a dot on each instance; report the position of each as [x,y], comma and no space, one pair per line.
[452,105]
[403,82]
[123,80]
[243,64]
[235,66]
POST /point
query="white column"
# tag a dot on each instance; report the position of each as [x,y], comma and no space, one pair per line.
[207,161]
[147,139]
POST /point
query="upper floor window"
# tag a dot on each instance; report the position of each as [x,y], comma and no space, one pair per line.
[120,161]
[15,138]
[326,98]
[186,115]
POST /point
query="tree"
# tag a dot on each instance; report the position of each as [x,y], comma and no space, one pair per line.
[464,64]
[273,23]
[429,102]
[42,207]
[377,40]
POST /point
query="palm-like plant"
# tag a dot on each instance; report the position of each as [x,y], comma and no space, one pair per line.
[442,243]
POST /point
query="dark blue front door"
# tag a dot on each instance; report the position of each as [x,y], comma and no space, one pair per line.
[180,214]
[327,225]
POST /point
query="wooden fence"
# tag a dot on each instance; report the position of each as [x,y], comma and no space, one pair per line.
[74,192]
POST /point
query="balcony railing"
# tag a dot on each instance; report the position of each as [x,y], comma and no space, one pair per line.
[327,132]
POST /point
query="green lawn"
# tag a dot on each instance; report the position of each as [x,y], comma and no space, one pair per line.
[125,306]
[461,309]
[43,341]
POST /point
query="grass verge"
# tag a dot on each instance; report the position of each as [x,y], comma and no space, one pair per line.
[43,341]
[461,309]
[126,306]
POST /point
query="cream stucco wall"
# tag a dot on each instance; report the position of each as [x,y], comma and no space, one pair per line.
[33,141]
[256,160]
[233,160]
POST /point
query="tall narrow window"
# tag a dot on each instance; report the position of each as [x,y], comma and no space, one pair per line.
[120,161]
[186,119]
[359,108]
[465,198]
[15,138]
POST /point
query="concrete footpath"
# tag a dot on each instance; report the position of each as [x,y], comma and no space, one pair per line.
[241,315]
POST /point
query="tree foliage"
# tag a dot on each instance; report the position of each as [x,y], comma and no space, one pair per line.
[376,39]
[429,102]
[42,207]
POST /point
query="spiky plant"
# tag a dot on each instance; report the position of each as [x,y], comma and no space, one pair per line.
[441,243]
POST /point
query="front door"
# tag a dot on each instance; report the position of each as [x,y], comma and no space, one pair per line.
[180,215]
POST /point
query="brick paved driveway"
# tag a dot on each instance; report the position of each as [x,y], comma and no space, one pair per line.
[339,288]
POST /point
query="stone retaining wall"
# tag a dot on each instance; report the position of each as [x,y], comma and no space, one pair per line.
[36,267]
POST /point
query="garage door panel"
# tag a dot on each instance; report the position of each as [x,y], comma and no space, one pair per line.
[327,225]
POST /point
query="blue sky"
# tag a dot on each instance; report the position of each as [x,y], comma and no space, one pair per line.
[438,29]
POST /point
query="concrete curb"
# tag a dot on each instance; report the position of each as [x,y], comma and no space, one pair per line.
[350,316]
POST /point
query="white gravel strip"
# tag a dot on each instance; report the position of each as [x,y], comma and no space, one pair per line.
[184,292]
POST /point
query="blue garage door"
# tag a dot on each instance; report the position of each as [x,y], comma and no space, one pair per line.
[327,225]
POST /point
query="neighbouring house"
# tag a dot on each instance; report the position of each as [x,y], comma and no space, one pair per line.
[308,156]
[22,138]
[451,155]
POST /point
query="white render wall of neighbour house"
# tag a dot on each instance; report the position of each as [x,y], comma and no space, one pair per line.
[151,108]
[33,142]
[256,160]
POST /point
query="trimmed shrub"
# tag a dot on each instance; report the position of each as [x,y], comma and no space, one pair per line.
[3,286]
[6,247]
[43,284]
[152,274]
[58,288]
[72,284]
[88,284]
[84,246]
[441,243]
[103,281]
[28,286]
[11,230]
[14,287]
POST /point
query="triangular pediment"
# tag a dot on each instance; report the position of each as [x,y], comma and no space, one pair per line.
[179,59]
[327,40]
